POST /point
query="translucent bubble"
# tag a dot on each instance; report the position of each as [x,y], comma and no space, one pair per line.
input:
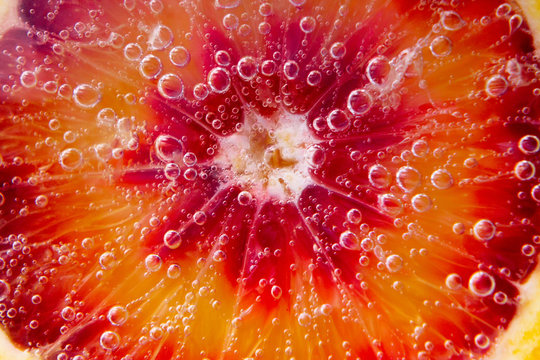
[304,319]
[481,341]
[153,262]
[308,24]
[172,239]
[106,117]
[315,156]
[156,6]
[276,292]
[529,144]
[28,79]
[109,340]
[117,315]
[132,52]
[70,159]
[441,46]
[172,171]
[230,21]
[247,68]
[265,28]
[244,198]
[379,176]
[268,67]
[2,199]
[190,159]
[484,230]
[68,313]
[199,217]
[179,56]
[442,179]
[227,4]
[150,67]
[41,201]
[377,70]
[394,263]
[354,216]
[524,170]
[349,240]
[170,86]
[390,204]
[173,271]
[222,58]
[496,86]
[359,102]
[168,148]
[160,38]
[408,178]
[219,80]
[190,174]
[528,250]
[452,21]
[5,290]
[86,96]
[291,69]
[338,50]
[200,91]
[500,298]
[421,203]
[481,283]
[454,282]
[107,260]
[503,10]
[219,256]
[338,120]
[535,192]
[266,9]
[314,78]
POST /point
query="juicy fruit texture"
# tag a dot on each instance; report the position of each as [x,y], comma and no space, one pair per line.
[300,179]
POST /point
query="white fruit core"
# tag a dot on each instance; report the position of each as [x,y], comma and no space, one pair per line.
[267,155]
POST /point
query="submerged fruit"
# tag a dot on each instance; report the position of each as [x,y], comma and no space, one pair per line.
[262,180]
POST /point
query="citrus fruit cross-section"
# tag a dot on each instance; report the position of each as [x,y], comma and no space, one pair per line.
[286,179]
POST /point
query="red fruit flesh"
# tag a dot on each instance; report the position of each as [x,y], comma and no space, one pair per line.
[267,180]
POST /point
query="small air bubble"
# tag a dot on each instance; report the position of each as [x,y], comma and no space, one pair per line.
[109,340]
[394,263]
[153,262]
[453,282]
[338,120]
[529,144]
[150,67]
[359,102]
[421,203]
[379,176]
[170,86]
[172,239]
[291,69]
[168,148]
[349,240]
[219,80]
[496,86]
[160,38]
[86,96]
[70,159]
[524,170]
[481,283]
[179,56]
[247,68]
[117,315]
[442,179]
[484,230]
[408,178]
[308,24]
[441,46]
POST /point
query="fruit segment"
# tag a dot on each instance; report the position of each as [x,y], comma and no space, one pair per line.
[301,179]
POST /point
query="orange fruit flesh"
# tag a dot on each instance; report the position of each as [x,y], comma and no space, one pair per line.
[409,239]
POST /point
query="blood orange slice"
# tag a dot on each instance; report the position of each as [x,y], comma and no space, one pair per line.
[267,180]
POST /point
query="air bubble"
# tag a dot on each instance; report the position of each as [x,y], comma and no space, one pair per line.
[227,4]
[421,203]
[390,204]
[86,96]
[276,292]
[338,120]
[535,193]
[172,239]
[291,69]
[172,171]
[481,283]
[190,159]
[200,91]
[244,198]
[377,70]
[173,271]
[308,24]
[379,176]
[442,179]
[408,178]
[441,46]
[420,148]
[496,86]
[453,282]
[179,56]
[337,50]
[109,340]
[354,216]
[107,260]
[28,79]
[132,52]
[452,21]
[268,67]
[199,217]
[219,256]
[481,341]
[230,21]
[41,201]
[117,315]
[70,159]
[528,250]
[222,58]
[314,78]
[524,170]
[484,230]
[219,80]
[160,38]
[68,313]
[394,263]
[153,262]
[529,144]
[247,68]
[349,240]
[170,86]
[304,319]
[5,290]
[297,3]
[168,148]
[359,102]
[315,156]
[150,67]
